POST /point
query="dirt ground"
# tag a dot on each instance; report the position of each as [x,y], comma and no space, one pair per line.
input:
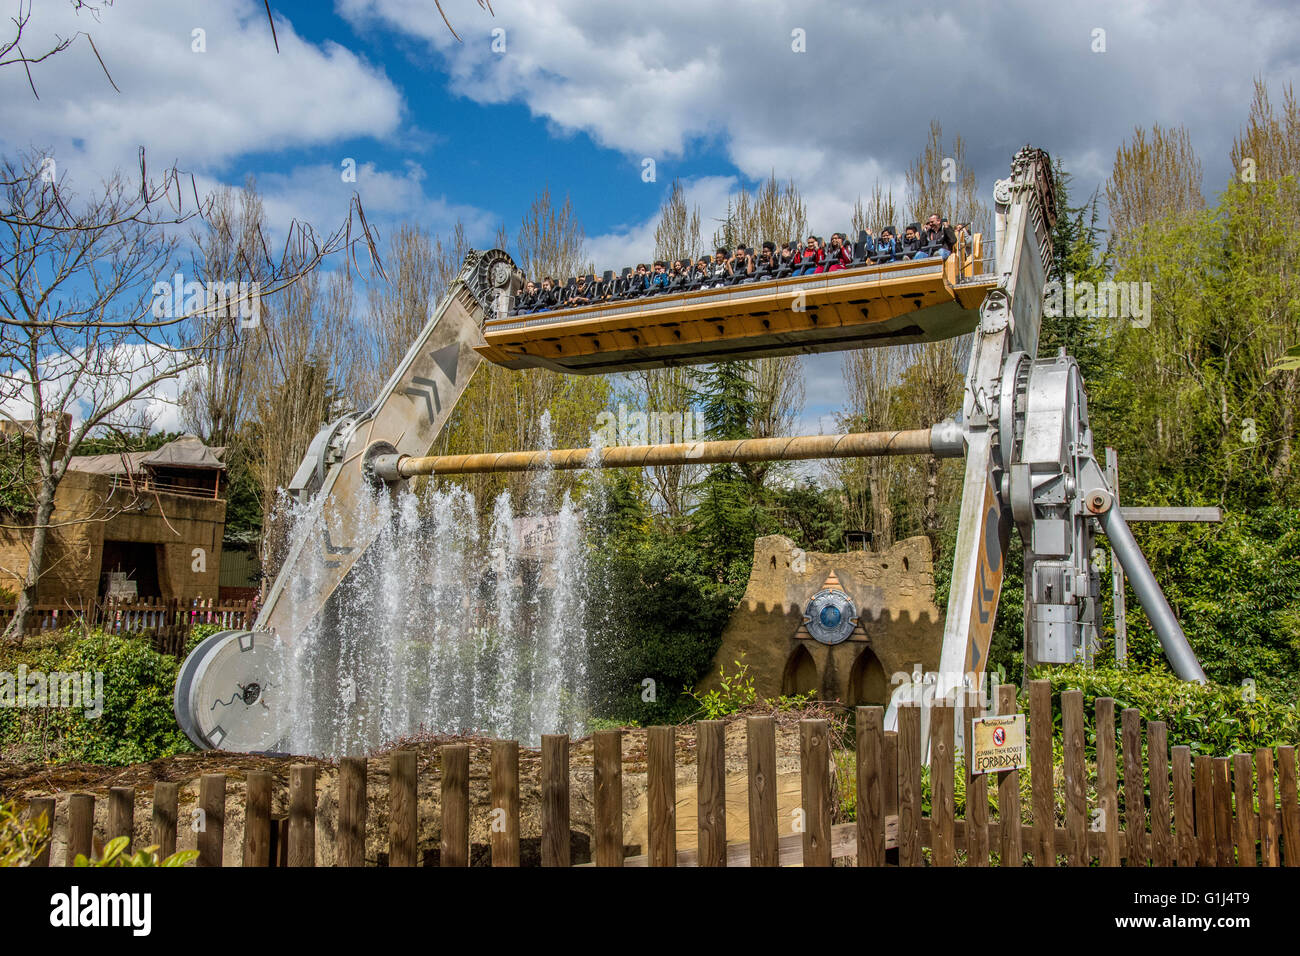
[26,782]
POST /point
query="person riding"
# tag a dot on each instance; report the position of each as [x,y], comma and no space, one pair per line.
[940,238]
[810,259]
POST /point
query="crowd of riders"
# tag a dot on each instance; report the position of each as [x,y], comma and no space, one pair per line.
[933,239]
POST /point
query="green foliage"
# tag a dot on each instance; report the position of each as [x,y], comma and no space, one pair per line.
[200,633]
[21,840]
[1210,719]
[658,612]
[734,693]
[115,855]
[137,723]
[1235,587]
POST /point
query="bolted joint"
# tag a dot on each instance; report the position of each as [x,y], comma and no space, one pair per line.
[1098,501]
[382,463]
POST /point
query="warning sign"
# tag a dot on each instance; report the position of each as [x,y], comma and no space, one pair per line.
[998,743]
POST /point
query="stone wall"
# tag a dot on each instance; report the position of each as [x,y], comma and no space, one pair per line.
[88,512]
[900,625]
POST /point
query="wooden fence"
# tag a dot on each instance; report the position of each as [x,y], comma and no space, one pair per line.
[168,622]
[1200,811]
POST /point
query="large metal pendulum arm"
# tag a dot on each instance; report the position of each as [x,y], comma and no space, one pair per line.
[229,692]
[1009,323]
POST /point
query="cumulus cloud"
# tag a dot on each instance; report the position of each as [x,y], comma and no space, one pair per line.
[200,110]
[856,104]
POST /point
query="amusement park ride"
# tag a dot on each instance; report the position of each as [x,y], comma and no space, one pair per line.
[1023,431]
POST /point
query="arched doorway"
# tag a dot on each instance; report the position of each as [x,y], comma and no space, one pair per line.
[800,675]
[868,683]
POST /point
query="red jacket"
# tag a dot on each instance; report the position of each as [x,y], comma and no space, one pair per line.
[839,260]
[815,255]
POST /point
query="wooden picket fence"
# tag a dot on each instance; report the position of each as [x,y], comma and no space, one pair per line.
[168,622]
[1201,811]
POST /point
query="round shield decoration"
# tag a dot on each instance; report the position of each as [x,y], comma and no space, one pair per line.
[831,616]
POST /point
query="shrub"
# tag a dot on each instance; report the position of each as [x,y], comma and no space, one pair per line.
[21,841]
[1209,718]
[137,723]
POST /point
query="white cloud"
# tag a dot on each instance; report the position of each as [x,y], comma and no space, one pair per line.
[857,104]
[199,110]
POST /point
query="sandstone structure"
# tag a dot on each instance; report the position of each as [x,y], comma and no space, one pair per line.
[899,625]
[155,517]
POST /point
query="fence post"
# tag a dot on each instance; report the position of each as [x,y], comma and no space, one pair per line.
[871,789]
[711,791]
[454,848]
[1223,811]
[889,775]
[815,791]
[1286,772]
[977,789]
[1162,853]
[1040,772]
[302,815]
[764,846]
[1135,813]
[1011,843]
[1206,811]
[121,814]
[81,826]
[403,815]
[1267,807]
[212,826]
[942,779]
[909,785]
[662,796]
[37,807]
[257,819]
[555,800]
[352,812]
[607,797]
[1184,807]
[1107,781]
[164,817]
[1244,813]
[505,803]
[1076,801]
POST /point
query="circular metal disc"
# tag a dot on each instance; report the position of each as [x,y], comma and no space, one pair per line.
[831,616]
[227,693]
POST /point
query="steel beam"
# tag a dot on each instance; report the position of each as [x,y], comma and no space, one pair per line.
[943,440]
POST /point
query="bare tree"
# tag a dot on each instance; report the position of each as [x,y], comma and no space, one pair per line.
[78,335]
[667,390]
[871,377]
[940,181]
[775,213]
[503,410]
[1155,175]
[88,323]
[302,356]
[878,212]
[12,53]
[229,253]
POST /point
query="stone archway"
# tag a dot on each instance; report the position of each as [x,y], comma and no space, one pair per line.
[800,675]
[868,683]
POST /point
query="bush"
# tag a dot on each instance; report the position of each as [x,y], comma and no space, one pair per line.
[21,840]
[658,612]
[1210,718]
[137,723]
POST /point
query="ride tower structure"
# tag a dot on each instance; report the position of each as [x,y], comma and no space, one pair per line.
[1023,430]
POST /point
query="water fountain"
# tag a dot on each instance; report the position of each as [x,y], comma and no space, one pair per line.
[452,623]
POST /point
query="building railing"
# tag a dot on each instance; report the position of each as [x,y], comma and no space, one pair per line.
[167,622]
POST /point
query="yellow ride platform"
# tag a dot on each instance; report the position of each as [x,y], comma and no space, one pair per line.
[863,307]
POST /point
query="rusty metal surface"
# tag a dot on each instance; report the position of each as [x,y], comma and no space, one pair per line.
[854,445]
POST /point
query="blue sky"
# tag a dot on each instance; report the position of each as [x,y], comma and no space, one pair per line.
[581,93]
